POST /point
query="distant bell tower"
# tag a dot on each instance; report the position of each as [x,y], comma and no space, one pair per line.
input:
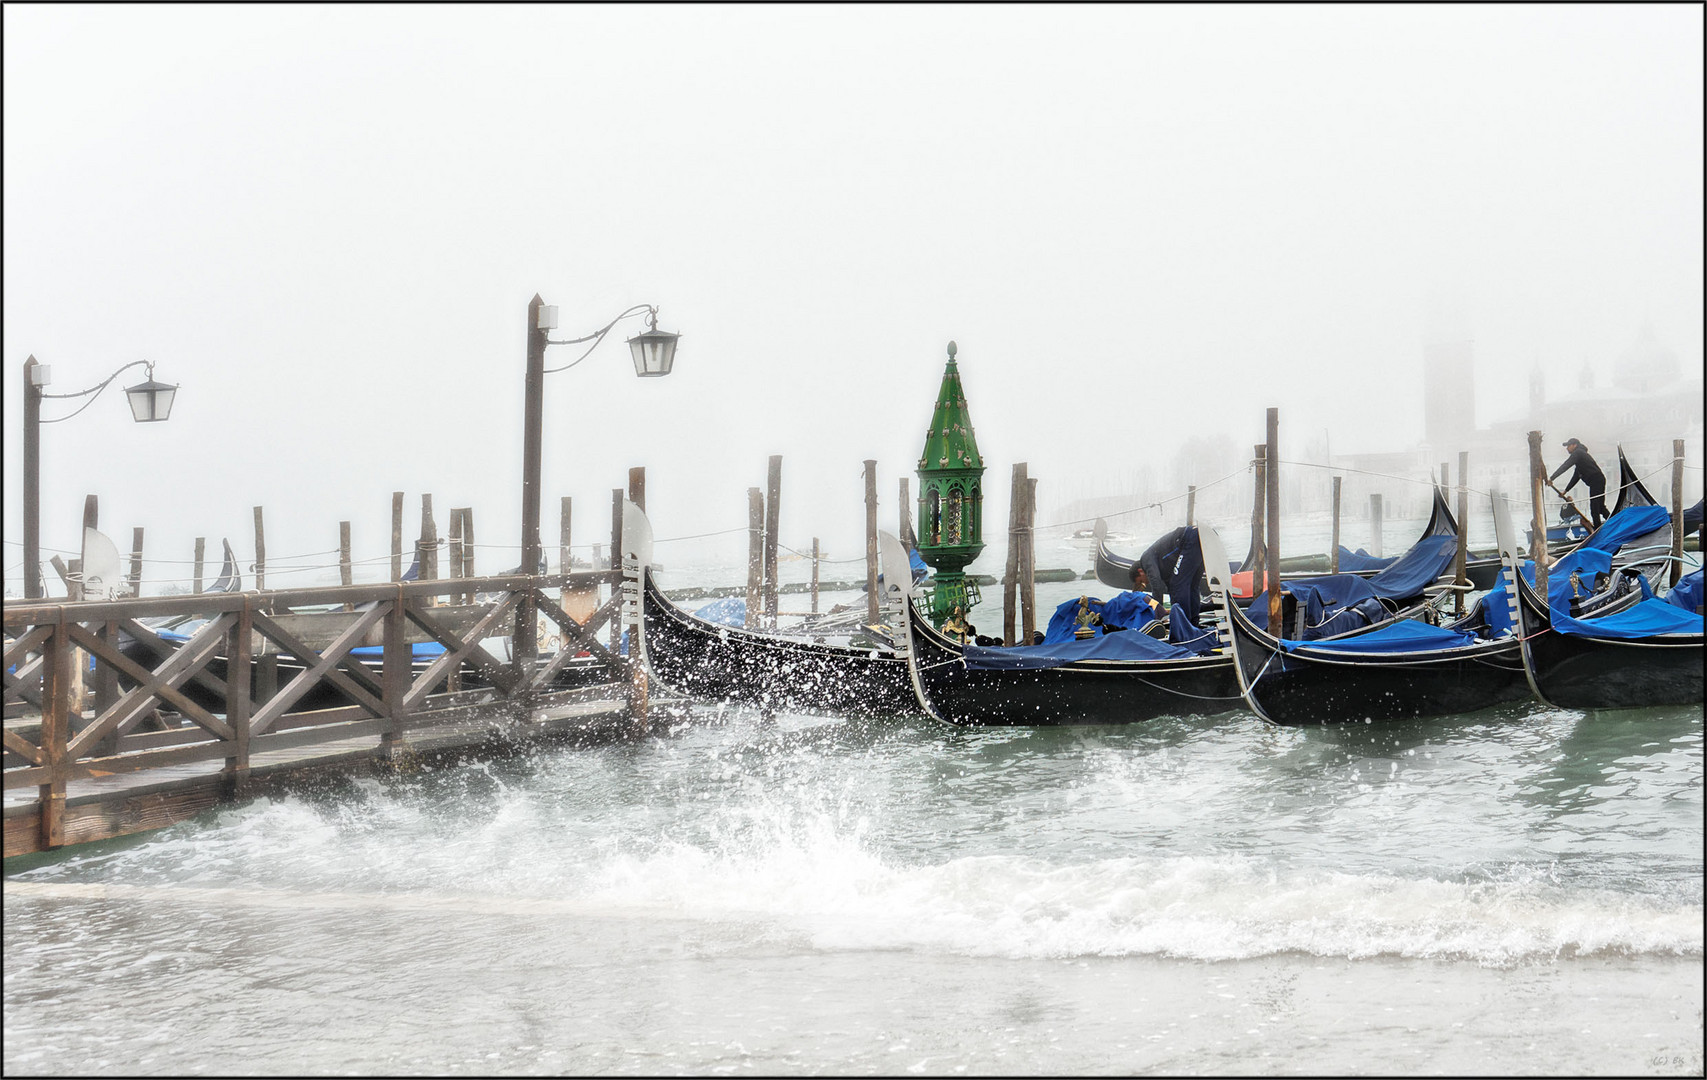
[951,499]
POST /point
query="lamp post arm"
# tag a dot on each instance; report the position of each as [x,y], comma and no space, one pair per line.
[95,391]
[599,335]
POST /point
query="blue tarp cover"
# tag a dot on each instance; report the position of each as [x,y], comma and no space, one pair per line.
[1400,636]
[1352,562]
[1686,594]
[1186,634]
[1122,645]
[729,611]
[1131,610]
[1646,619]
[1417,568]
[1627,525]
[1321,597]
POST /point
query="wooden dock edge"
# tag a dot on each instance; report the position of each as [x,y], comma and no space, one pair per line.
[595,712]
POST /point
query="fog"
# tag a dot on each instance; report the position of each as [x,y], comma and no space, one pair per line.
[1140,225]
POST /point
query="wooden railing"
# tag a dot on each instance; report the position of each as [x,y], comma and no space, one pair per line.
[145,702]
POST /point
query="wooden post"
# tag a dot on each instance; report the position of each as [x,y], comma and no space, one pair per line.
[201,554]
[1375,524]
[135,577]
[55,731]
[566,516]
[260,553]
[395,677]
[430,545]
[1191,504]
[1017,492]
[1538,512]
[773,514]
[1462,577]
[1028,562]
[565,561]
[106,686]
[1259,568]
[755,554]
[906,512]
[239,699]
[616,496]
[1272,457]
[468,550]
[1676,511]
[870,540]
[814,575]
[637,486]
[1334,548]
[453,546]
[33,588]
[396,536]
[346,573]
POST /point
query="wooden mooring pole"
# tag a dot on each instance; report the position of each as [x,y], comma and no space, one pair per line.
[201,555]
[1538,512]
[1272,456]
[870,540]
[1375,527]
[1259,563]
[814,575]
[260,552]
[135,576]
[1191,505]
[1461,565]
[1676,512]
[755,554]
[1334,547]
[1028,562]
[1017,490]
[773,505]
[396,536]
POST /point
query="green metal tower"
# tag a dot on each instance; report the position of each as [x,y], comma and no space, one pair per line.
[951,500]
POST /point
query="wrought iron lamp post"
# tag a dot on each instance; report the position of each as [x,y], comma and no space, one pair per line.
[654,353]
[150,402]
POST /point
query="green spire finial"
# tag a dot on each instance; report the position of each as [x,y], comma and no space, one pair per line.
[951,350]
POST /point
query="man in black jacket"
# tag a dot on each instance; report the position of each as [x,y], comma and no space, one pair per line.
[1591,476]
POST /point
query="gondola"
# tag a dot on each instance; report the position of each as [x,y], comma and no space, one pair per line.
[1118,678]
[1115,570]
[1402,669]
[865,674]
[1644,655]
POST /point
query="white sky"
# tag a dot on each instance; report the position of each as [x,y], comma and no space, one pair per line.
[1138,223]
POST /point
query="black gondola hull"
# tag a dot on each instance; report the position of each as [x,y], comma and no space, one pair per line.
[1576,672]
[1085,692]
[724,663]
[1297,688]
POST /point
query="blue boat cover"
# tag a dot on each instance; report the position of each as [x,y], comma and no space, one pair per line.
[1692,517]
[1627,525]
[1188,635]
[1399,636]
[1646,619]
[1320,597]
[729,611]
[417,651]
[1121,645]
[1128,610]
[1352,562]
[1686,594]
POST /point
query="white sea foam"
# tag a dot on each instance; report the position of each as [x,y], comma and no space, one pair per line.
[817,880]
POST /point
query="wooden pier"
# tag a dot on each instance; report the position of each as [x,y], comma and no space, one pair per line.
[99,745]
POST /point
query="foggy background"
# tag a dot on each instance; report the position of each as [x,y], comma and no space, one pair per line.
[1141,225]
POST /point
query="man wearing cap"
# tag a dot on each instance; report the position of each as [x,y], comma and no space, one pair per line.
[1591,476]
